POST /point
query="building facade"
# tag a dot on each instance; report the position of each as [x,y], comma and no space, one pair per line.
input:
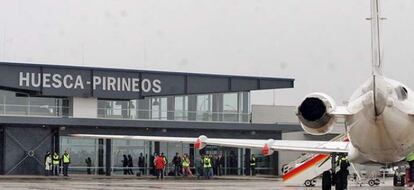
[42,105]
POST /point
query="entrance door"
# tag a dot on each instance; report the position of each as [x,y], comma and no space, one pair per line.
[81,149]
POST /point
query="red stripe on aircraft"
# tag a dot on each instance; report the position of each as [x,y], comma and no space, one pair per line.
[305,166]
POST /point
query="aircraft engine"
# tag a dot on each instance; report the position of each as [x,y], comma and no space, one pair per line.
[315,113]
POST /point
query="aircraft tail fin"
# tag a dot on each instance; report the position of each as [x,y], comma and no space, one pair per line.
[375,38]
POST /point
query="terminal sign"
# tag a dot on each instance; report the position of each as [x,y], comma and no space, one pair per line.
[105,83]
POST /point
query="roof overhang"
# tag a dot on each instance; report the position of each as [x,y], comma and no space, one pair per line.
[108,83]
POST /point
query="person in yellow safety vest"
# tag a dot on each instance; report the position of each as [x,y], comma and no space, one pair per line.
[55,163]
[410,160]
[208,172]
[253,165]
[186,166]
[66,162]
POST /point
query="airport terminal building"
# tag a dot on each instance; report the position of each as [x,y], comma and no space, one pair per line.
[42,105]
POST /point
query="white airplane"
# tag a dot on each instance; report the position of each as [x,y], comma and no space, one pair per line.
[379,116]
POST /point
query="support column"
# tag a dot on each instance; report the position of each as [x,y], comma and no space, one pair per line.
[2,148]
[100,157]
[247,155]
[108,157]
[192,160]
[157,147]
[274,163]
[245,107]
[239,161]
[56,141]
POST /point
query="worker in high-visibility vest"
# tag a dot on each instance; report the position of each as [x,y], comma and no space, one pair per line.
[208,171]
[55,163]
[186,166]
[253,165]
[410,160]
[66,162]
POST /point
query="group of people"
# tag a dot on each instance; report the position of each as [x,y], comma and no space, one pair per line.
[56,164]
[206,166]
[128,164]
[182,165]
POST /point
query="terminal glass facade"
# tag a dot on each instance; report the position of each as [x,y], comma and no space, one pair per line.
[235,159]
[228,107]
[14,103]
[225,107]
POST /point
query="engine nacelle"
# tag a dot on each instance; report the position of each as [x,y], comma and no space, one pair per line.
[315,113]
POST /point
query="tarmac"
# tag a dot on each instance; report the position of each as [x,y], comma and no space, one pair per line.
[148,182]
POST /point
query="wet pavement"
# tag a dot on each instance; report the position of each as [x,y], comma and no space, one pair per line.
[129,183]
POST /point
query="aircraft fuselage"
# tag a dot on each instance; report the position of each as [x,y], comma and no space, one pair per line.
[381,128]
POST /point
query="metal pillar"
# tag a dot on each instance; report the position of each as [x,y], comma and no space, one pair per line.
[101,157]
[108,155]
[247,155]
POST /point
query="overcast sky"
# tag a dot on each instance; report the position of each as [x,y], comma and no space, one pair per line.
[323,44]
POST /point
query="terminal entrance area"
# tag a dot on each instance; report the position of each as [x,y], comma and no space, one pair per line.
[232,161]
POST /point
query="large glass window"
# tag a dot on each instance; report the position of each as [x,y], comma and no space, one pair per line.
[143,109]
[170,149]
[163,109]
[230,107]
[113,109]
[180,108]
[244,106]
[133,148]
[204,108]
[80,149]
[12,103]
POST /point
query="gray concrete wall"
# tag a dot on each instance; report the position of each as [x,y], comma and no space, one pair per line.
[273,114]
[84,107]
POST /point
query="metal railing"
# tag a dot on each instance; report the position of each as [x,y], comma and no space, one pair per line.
[34,110]
[177,115]
[148,171]
[305,157]
[115,113]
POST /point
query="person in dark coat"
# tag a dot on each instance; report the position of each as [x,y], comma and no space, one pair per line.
[177,164]
[152,159]
[221,164]
[141,163]
[342,175]
[88,162]
[125,164]
[130,165]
